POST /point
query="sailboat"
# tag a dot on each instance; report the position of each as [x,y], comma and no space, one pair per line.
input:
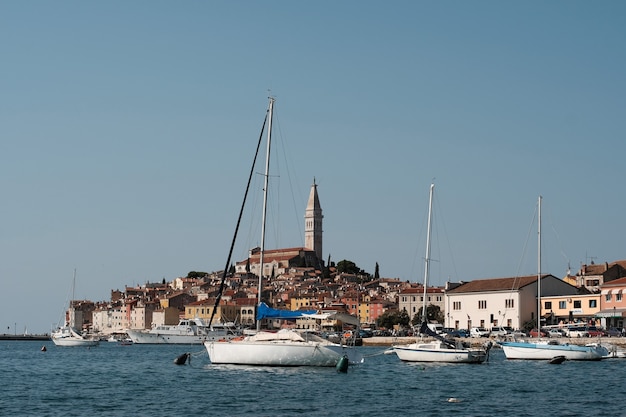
[441,349]
[286,347]
[549,350]
[67,335]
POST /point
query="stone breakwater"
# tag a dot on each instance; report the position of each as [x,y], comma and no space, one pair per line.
[479,341]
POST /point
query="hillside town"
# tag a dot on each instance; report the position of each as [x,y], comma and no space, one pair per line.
[299,279]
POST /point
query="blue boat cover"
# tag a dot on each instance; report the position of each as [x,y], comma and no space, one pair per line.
[263,311]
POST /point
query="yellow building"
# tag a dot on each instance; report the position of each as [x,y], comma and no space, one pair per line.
[225,312]
[566,308]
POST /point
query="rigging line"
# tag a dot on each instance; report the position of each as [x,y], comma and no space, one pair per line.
[291,177]
[530,231]
[232,245]
[446,235]
[558,238]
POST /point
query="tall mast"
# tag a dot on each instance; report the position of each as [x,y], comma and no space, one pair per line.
[427,258]
[539,265]
[265,185]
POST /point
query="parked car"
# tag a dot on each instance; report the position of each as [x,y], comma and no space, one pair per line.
[457,333]
[519,333]
[537,333]
[498,331]
[554,333]
[593,331]
[479,332]
[576,332]
[613,332]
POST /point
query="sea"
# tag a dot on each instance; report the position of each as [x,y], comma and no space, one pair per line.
[143,380]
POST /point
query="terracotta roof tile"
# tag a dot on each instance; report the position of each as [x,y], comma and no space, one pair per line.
[496,284]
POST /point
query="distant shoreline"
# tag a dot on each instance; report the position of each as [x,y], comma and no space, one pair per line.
[24,337]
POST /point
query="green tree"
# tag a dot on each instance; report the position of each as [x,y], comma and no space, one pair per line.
[376,271]
[347,267]
[196,274]
[434,314]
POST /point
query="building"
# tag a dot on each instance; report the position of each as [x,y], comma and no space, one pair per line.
[613,303]
[412,299]
[508,302]
[313,223]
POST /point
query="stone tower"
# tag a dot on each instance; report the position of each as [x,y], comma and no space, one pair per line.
[313,223]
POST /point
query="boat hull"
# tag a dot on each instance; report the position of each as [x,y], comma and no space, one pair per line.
[547,351]
[151,337]
[424,352]
[279,353]
[68,336]
[69,341]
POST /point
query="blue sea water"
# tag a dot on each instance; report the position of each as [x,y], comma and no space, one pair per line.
[142,380]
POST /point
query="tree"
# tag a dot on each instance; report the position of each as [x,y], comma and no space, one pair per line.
[196,274]
[433,314]
[348,267]
[376,272]
[393,317]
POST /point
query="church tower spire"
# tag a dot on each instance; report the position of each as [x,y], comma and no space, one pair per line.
[313,223]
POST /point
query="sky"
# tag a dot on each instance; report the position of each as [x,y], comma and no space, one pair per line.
[127,131]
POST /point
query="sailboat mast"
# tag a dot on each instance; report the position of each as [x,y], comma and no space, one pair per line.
[539,264]
[427,258]
[265,185]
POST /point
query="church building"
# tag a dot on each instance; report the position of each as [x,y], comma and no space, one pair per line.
[279,261]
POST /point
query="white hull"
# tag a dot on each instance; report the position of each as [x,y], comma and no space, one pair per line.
[66,336]
[157,337]
[438,352]
[547,351]
[67,341]
[276,349]
[186,332]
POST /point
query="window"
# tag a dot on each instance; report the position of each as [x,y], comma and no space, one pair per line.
[548,305]
[618,296]
[607,297]
[577,304]
[508,303]
[562,305]
[482,304]
[593,303]
[439,299]
[456,305]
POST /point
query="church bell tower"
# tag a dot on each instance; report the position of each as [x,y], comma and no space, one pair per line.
[313,223]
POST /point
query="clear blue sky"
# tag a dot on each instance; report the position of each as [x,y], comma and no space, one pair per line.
[127,131]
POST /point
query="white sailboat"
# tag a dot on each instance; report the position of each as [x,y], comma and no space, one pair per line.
[67,335]
[285,347]
[440,349]
[549,349]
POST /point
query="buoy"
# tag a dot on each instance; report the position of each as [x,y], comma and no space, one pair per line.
[342,364]
[182,359]
[43,349]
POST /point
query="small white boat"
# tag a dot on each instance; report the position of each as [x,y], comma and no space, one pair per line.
[439,350]
[282,348]
[547,350]
[285,347]
[68,336]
